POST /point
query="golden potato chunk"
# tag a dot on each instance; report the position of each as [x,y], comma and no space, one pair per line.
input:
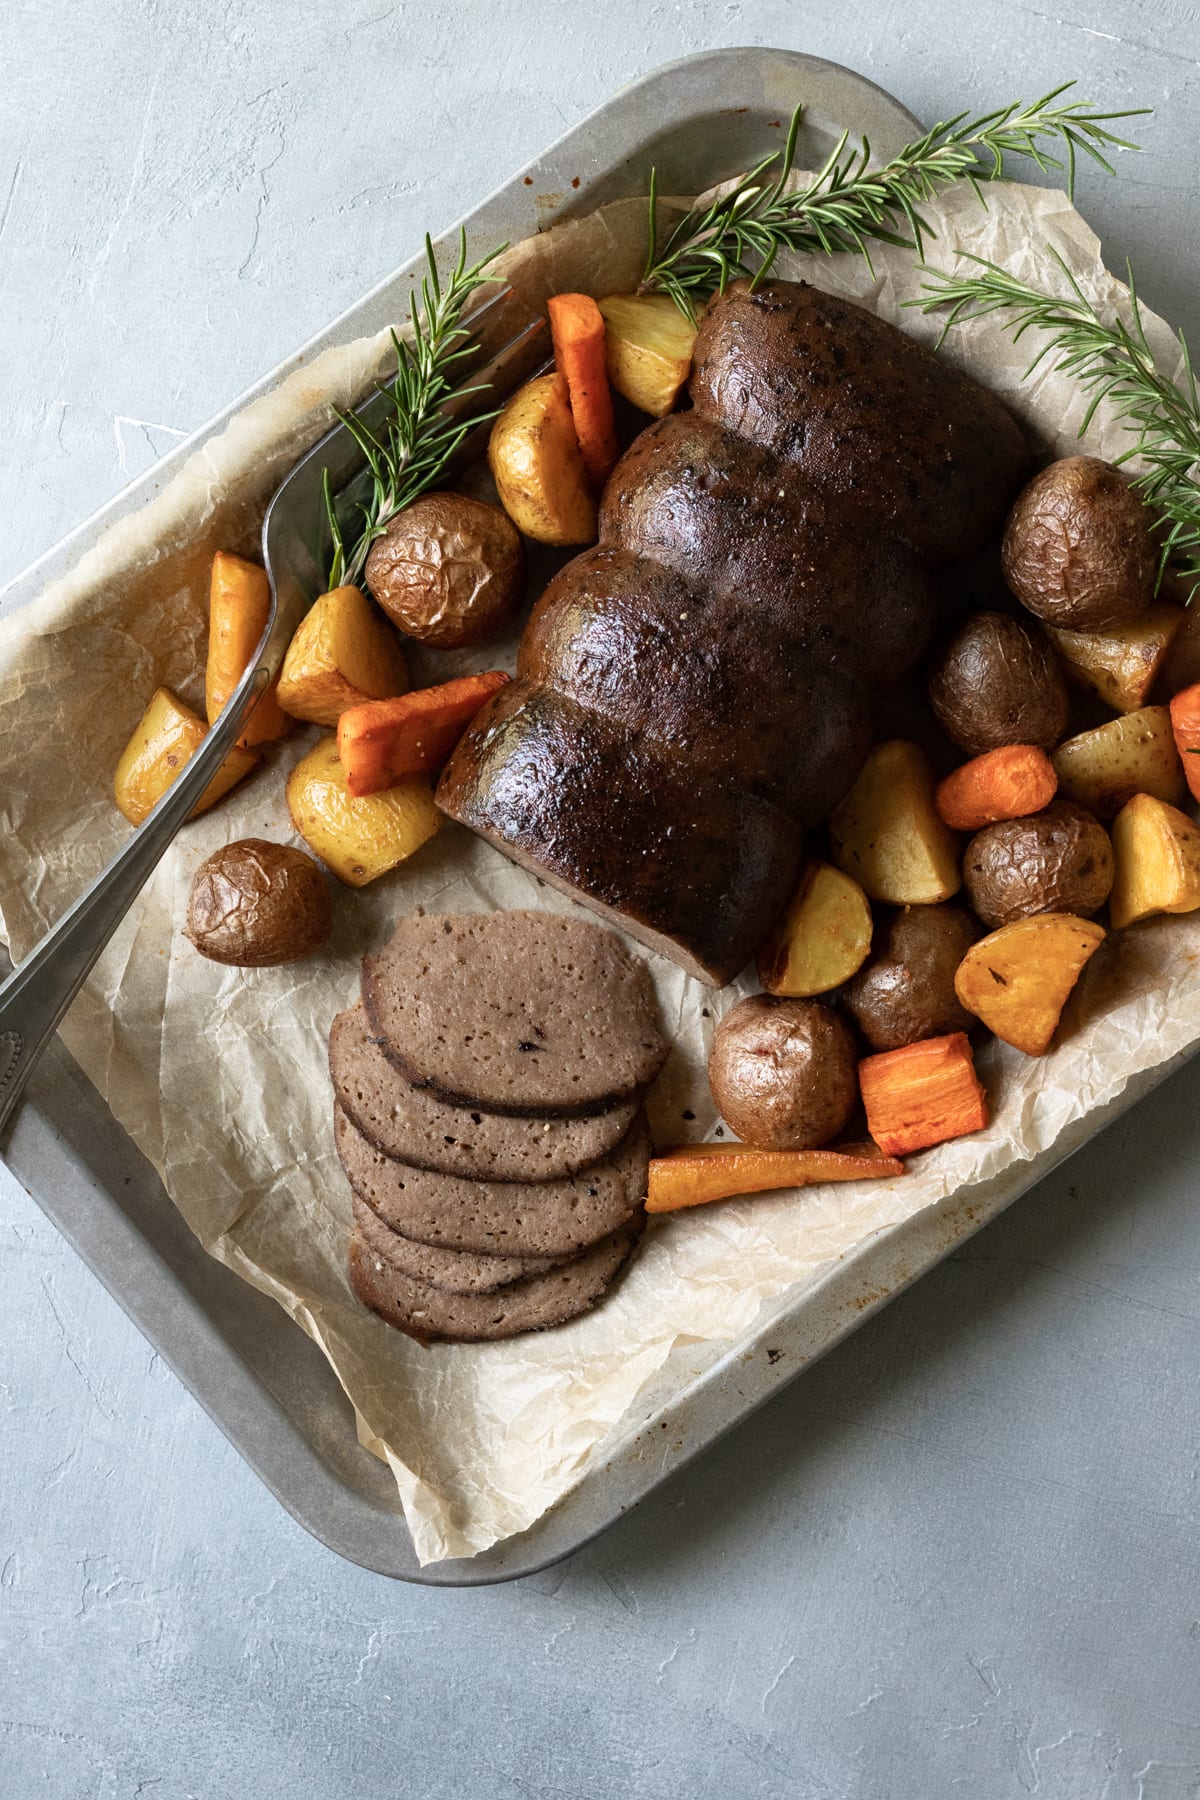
[1157,848]
[342,654]
[358,839]
[887,834]
[1134,754]
[823,938]
[1018,979]
[538,467]
[1121,663]
[165,739]
[648,347]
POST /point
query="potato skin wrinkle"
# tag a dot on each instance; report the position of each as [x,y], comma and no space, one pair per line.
[449,570]
[254,904]
[1078,548]
[997,681]
[1058,861]
[784,1072]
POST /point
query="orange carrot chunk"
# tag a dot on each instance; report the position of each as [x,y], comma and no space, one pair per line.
[1008,783]
[1185,723]
[577,328]
[693,1174]
[922,1095]
[239,599]
[382,742]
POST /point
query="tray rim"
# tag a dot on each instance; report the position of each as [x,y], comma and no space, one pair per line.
[814,1319]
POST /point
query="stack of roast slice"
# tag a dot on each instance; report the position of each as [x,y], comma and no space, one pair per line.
[488,1118]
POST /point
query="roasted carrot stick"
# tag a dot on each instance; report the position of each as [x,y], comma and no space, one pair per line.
[696,1173]
[1185,723]
[239,598]
[923,1094]
[577,327]
[385,741]
[1008,783]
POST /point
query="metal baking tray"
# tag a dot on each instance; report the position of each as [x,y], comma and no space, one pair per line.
[258,1377]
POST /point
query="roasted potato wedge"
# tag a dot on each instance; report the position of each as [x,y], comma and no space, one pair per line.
[165,739]
[1135,754]
[359,839]
[1121,663]
[238,604]
[1018,979]
[342,654]
[649,349]
[255,904]
[538,467]
[823,938]
[887,835]
[1157,849]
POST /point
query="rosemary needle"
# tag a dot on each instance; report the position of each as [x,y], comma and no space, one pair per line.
[1114,364]
[417,439]
[847,204]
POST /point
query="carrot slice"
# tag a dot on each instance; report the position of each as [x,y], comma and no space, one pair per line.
[577,328]
[382,742]
[693,1174]
[1008,783]
[1185,723]
[239,598]
[923,1094]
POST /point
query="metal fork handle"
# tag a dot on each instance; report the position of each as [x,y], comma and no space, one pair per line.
[38,992]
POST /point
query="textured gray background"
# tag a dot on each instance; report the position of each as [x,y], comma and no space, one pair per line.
[958,1557]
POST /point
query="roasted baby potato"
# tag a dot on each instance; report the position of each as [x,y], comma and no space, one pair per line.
[342,654]
[648,346]
[906,990]
[538,468]
[256,904]
[996,681]
[1017,980]
[165,739]
[448,570]
[1158,861]
[887,834]
[1079,549]
[238,604]
[359,839]
[822,938]
[1135,754]
[1057,861]
[1121,663]
[783,1072]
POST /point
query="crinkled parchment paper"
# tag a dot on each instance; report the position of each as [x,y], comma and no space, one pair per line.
[219,1075]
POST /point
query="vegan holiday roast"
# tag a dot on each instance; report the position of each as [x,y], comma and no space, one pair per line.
[822,737]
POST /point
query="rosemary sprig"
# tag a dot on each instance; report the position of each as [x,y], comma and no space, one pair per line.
[417,439]
[1114,364]
[847,204]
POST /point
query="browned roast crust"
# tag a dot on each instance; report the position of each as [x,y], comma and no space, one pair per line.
[691,867]
[905,442]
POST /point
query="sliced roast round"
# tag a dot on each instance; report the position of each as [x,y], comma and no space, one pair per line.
[498,1219]
[454,1271]
[430,1313]
[417,1127]
[515,1012]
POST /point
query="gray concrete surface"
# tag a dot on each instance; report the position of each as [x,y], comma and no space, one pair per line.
[961,1556]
